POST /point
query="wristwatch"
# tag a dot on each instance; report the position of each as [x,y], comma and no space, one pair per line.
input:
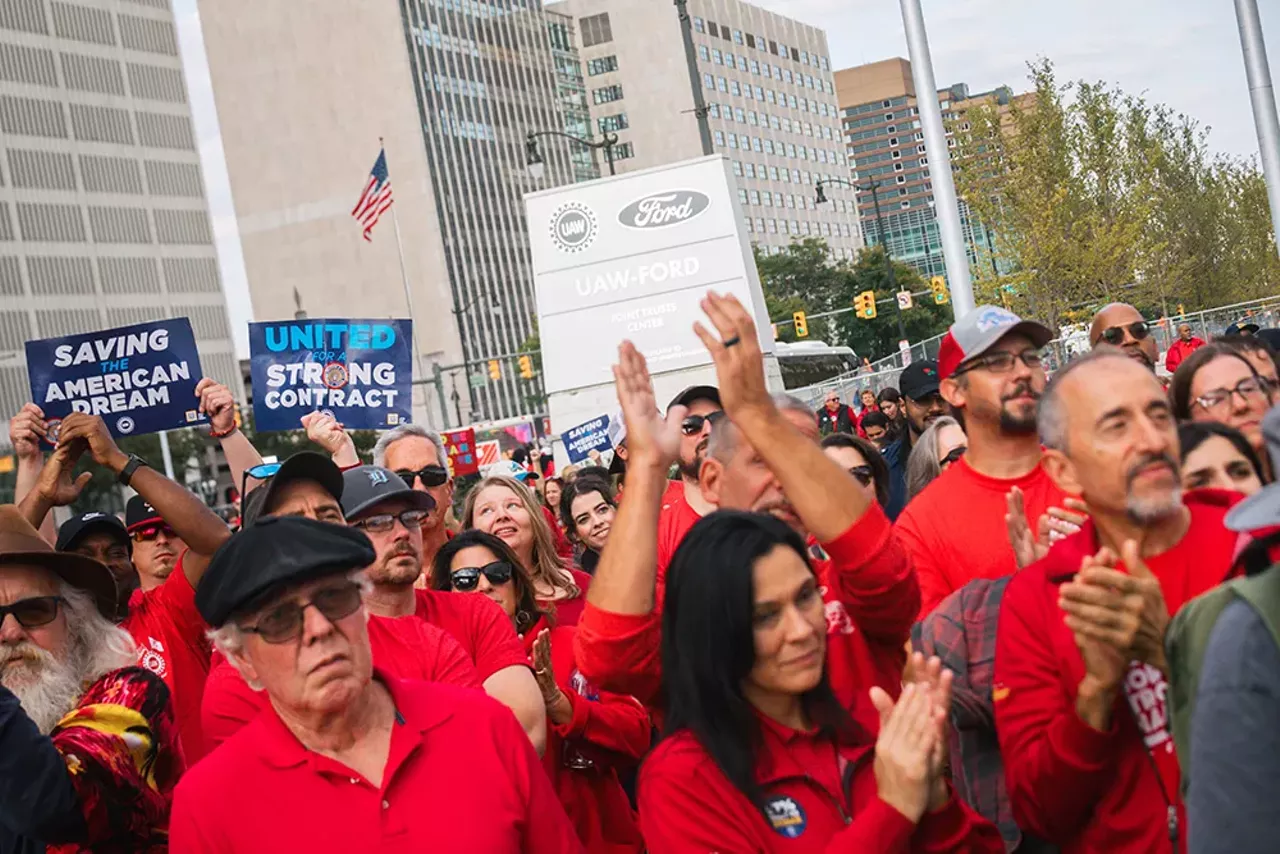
[126,473]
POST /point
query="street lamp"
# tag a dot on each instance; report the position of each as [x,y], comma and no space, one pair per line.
[533,157]
[495,307]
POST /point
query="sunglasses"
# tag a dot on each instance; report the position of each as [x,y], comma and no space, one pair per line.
[149,533]
[952,456]
[283,623]
[468,578]
[260,472]
[1114,335]
[692,424]
[384,522]
[430,476]
[32,613]
[863,474]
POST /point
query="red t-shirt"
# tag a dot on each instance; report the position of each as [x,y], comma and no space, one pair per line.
[955,531]
[568,611]
[172,643]
[478,624]
[674,521]
[404,647]
[674,490]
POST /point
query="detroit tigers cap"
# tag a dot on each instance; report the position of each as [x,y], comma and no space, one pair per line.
[978,331]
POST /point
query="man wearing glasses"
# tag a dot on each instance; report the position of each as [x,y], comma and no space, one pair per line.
[1121,325]
[417,456]
[955,530]
[683,503]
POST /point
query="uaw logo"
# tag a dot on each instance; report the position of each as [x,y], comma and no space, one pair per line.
[786,816]
[151,657]
[125,424]
[376,476]
[52,428]
[838,620]
[573,227]
[335,375]
[991,318]
[659,210]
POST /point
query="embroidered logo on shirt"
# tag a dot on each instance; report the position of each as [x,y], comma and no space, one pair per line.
[152,658]
[582,687]
[786,816]
[838,621]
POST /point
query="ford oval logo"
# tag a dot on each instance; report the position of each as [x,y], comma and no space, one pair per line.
[659,210]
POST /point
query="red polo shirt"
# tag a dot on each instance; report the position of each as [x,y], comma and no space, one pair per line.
[460,776]
[476,622]
[404,647]
[170,635]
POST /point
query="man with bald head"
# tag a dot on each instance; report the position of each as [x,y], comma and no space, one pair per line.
[1182,348]
[1120,325]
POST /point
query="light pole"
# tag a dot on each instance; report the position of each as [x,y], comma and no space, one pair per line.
[466,365]
[1262,95]
[700,108]
[533,157]
[884,246]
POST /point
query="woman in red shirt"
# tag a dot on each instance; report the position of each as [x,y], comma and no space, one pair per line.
[759,756]
[506,508]
[590,733]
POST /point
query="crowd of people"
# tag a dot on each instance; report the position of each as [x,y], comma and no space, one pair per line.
[987,610]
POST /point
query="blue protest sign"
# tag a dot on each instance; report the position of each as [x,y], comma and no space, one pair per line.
[140,379]
[358,371]
[585,438]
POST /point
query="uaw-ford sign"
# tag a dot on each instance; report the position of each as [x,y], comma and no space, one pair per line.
[663,209]
[631,257]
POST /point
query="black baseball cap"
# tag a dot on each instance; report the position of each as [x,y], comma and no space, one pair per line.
[272,554]
[80,526]
[369,486]
[919,379]
[138,514]
[304,465]
[696,392]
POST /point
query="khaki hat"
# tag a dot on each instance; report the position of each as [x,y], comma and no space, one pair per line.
[22,544]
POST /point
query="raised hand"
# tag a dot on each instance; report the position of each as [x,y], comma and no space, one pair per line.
[651,438]
[57,484]
[909,731]
[326,431]
[1026,548]
[92,430]
[735,349]
[558,708]
[217,403]
[26,429]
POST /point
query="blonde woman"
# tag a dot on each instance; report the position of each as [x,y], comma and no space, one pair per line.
[505,507]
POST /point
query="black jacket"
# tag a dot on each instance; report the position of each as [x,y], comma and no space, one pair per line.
[38,805]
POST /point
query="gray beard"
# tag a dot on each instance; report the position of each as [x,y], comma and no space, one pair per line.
[1149,512]
[50,694]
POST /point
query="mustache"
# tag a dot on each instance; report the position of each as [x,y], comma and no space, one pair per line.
[1022,389]
[25,651]
[404,547]
[781,504]
[1147,460]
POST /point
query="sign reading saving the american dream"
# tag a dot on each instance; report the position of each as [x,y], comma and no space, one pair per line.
[585,438]
[140,379]
[631,257]
[358,371]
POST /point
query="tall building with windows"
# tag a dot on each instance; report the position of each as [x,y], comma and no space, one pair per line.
[881,124]
[103,217]
[308,91]
[768,83]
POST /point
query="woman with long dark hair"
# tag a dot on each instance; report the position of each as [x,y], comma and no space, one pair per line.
[590,733]
[759,755]
[587,510]
[1217,383]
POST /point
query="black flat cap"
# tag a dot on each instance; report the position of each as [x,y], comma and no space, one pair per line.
[274,553]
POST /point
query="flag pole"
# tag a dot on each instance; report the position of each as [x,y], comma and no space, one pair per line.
[408,293]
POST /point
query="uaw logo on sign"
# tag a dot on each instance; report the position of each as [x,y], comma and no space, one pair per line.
[786,816]
[659,210]
[573,227]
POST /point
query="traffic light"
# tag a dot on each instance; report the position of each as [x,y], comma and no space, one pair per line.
[938,285]
[1182,312]
[802,325]
[864,305]
[526,367]
[495,370]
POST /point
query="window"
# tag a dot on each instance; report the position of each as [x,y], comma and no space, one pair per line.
[775,122]
[708,81]
[734,88]
[746,91]
[773,46]
[737,37]
[737,168]
[791,201]
[717,57]
[596,30]
[903,191]
[714,109]
[722,85]
[755,197]
[756,145]
[791,150]
[751,117]
[728,59]
[698,26]
[768,146]
[742,195]
[602,65]
[719,137]
[755,67]
[750,169]
[773,172]
[750,223]
[703,53]
[733,141]
[768,71]
[739,114]
[804,57]
[742,63]
[782,50]
[905,204]
[920,149]
[624,151]
[759,93]
[893,140]
[712,29]
[769,96]
[795,104]
[897,167]
[902,179]
[760,224]
[773,226]
[751,40]
[606,94]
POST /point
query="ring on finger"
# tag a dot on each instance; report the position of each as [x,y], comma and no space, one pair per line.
[737,339]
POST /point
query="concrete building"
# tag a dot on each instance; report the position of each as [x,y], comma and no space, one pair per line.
[103,217]
[304,93]
[881,122]
[767,80]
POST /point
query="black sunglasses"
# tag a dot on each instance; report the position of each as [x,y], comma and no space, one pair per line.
[692,424]
[384,522]
[952,456]
[864,474]
[431,476]
[34,612]
[1114,335]
[468,578]
[284,622]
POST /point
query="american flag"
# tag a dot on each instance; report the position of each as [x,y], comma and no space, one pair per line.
[376,198]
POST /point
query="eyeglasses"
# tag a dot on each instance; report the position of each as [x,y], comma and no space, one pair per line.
[1249,390]
[284,622]
[384,522]
[1114,335]
[952,456]
[431,476]
[692,424]
[863,474]
[468,578]
[1002,361]
[149,533]
[34,612]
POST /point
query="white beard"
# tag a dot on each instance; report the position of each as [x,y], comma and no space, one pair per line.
[47,688]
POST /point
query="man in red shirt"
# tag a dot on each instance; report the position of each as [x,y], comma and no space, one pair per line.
[1182,348]
[1080,672]
[347,758]
[955,530]
[683,503]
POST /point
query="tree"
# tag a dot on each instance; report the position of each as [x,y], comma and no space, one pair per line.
[875,339]
[801,278]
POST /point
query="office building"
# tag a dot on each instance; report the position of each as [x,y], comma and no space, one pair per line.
[881,122]
[103,216]
[768,84]
[306,91]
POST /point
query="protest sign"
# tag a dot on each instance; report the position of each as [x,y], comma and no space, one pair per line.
[460,447]
[585,438]
[358,371]
[140,379]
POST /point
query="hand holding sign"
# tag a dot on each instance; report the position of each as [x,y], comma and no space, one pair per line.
[92,431]
[56,485]
[26,429]
[217,403]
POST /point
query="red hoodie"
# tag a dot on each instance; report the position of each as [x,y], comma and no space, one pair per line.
[1085,790]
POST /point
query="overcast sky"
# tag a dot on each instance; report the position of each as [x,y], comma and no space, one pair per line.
[1184,53]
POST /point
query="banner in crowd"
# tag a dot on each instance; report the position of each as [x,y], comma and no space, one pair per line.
[140,379]
[580,441]
[460,447]
[358,371]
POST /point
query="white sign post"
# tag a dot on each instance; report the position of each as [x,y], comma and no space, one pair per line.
[629,257]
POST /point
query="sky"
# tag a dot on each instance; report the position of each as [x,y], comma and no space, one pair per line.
[1183,53]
